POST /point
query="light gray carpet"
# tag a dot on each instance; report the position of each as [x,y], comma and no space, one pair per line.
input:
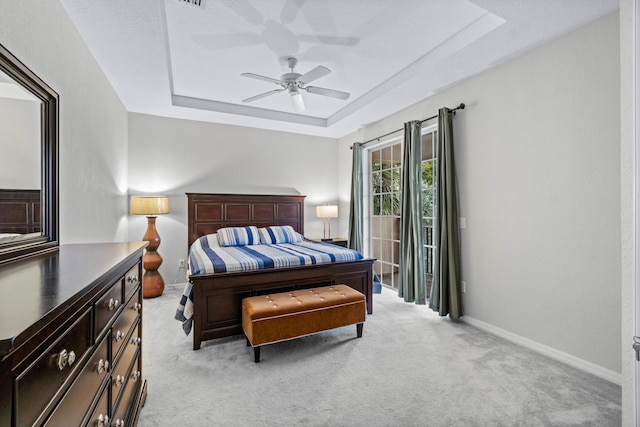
[410,368]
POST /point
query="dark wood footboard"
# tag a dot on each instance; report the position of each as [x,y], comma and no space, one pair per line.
[217,298]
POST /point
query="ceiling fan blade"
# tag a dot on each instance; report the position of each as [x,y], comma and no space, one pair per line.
[327,92]
[314,74]
[262,95]
[259,77]
[332,40]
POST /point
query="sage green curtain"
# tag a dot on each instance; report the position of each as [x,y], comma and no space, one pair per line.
[355,207]
[412,286]
[445,291]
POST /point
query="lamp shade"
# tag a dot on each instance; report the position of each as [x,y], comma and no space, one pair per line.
[327,211]
[149,205]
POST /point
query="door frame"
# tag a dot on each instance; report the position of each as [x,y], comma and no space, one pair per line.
[636,201]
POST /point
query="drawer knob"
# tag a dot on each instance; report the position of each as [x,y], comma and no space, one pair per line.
[119,336]
[113,303]
[132,279]
[65,358]
[136,306]
[103,420]
[119,381]
[103,365]
[135,341]
[135,375]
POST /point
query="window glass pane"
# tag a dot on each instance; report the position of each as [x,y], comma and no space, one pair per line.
[395,235]
[385,229]
[397,154]
[376,248]
[386,249]
[427,174]
[427,146]
[375,226]
[427,234]
[376,183]
[376,205]
[377,269]
[386,157]
[428,262]
[387,205]
[395,177]
[396,252]
[396,204]
[375,160]
[427,203]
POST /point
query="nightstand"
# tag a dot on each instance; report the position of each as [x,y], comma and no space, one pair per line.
[338,241]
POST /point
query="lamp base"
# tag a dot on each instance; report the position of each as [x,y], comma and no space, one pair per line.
[152,281]
[152,284]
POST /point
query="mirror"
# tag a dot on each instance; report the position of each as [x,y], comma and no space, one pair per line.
[29,155]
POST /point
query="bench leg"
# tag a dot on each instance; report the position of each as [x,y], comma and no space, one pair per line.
[256,354]
[359,329]
[248,343]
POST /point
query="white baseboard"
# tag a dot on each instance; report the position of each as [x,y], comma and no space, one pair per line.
[551,352]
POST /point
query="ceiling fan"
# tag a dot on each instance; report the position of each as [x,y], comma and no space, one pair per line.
[294,83]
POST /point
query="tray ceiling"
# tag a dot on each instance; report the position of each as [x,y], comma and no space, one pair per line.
[171,58]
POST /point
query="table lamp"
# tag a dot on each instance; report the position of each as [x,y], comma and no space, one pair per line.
[151,206]
[327,212]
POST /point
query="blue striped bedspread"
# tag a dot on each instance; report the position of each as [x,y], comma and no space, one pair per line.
[205,258]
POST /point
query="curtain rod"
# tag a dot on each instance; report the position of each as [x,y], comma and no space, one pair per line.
[459,107]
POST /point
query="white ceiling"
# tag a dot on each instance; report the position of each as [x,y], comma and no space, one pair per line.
[171,58]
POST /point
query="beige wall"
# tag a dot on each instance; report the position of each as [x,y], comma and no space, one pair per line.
[93,121]
[627,173]
[538,158]
[175,156]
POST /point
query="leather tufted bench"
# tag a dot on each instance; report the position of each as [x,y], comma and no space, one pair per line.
[282,316]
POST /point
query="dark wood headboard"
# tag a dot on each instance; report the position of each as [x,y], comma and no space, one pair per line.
[20,211]
[206,213]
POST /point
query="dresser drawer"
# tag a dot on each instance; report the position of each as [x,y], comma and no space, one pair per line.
[122,413]
[74,405]
[123,324]
[132,279]
[122,366]
[100,415]
[107,306]
[39,383]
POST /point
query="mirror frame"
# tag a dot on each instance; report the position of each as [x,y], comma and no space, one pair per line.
[48,238]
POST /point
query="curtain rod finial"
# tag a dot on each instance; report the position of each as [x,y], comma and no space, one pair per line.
[461,106]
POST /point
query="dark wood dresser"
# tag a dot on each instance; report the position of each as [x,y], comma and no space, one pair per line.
[71,337]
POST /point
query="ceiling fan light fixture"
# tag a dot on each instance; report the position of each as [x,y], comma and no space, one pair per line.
[296,99]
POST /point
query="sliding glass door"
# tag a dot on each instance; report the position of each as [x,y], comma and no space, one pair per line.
[384,232]
[386,164]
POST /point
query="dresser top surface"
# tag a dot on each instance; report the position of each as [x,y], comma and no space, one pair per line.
[44,286]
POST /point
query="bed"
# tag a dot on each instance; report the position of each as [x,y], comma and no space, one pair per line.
[216,297]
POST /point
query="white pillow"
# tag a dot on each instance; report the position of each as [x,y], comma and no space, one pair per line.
[238,236]
[279,234]
[212,239]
